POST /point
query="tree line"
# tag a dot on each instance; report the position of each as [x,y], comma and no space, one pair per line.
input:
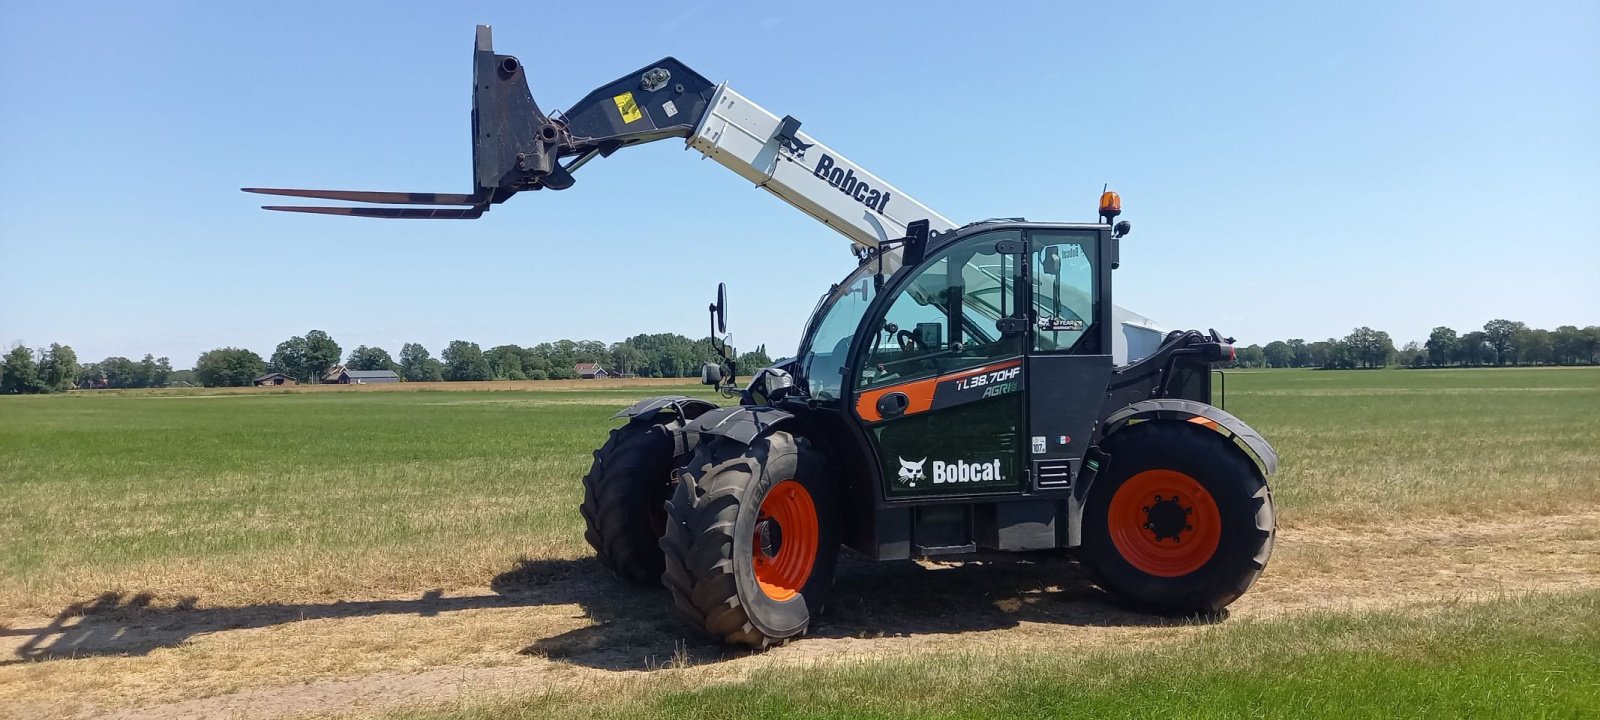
[1500,342]
[307,358]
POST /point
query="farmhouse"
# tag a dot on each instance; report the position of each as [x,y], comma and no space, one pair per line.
[339,375]
[272,379]
[591,371]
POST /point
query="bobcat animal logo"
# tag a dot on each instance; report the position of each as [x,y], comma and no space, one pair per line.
[911,472]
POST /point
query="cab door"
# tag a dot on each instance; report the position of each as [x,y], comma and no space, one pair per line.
[939,373]
[1069,348]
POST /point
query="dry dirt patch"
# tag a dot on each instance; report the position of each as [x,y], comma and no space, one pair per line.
[565,624]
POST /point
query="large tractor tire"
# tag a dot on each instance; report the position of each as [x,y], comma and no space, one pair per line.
[1180,522]
[625,494]
[752,539]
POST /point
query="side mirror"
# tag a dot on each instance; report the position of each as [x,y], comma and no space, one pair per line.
[1051,265]
[719,311]
[710,374]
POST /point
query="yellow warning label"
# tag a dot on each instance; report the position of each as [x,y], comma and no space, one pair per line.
[628,108]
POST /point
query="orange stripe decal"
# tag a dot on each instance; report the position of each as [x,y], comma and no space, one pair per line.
[919,392]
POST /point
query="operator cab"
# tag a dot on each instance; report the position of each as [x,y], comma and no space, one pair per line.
[1010,321]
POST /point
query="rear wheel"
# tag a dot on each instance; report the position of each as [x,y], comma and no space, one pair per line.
[752,538]
[625,494]
[1179,522]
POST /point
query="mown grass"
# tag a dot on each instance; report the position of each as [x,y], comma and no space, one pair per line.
[253,497]
[1519,657]
[1375,445]
[94,486]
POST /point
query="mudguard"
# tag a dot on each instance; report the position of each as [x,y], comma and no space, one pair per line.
[1208,416]
[744,423]
[690,408]
[683,406]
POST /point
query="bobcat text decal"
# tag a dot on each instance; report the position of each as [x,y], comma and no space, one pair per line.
[845,180]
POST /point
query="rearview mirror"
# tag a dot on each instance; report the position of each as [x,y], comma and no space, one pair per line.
[710,374]
[1051,265]
[719,311]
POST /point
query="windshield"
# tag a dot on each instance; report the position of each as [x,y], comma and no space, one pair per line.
[827,344]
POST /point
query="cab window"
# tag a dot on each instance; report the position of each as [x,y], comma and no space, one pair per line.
[1064,270]
[943,319]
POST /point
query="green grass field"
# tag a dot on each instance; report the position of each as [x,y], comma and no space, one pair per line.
[242,500]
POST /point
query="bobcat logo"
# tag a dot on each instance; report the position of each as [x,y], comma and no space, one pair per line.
[911,472]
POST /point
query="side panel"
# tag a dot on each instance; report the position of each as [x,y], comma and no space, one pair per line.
[1064,395]
[960,434]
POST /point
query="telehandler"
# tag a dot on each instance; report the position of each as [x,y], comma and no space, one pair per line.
[963,388]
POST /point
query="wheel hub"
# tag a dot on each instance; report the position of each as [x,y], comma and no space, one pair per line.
[1164,523]
[769,537]
[1167,518]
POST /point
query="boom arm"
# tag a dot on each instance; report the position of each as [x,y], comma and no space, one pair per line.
[516,147]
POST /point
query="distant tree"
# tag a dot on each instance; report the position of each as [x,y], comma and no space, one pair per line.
[1340,355]
[506,362]
[1441,345]
[120,372]
[1321,352]
[626,359]
[322,353]
[1412,355]
[153,371]
[306,359]
[535,367]
[58,368]
[1501,335]
[290,359]
[228,367]
[19,373]
[1590,349]
[91,376]
[1302,354]
[1474,348]
[1368,347]
[464,361]
[755,360]
[414,363]
[369,358]
[1278,354]
[1533,346]
[1567,345]
[432,370]
[592,351]
[1250,356]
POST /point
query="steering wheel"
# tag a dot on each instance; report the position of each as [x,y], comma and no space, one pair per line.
[909,341]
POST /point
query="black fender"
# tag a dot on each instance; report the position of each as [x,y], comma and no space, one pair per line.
[683,406]
[1207,416]
[1210,417]
[744,423]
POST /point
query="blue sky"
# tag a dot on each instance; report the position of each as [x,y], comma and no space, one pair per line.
[1290,169]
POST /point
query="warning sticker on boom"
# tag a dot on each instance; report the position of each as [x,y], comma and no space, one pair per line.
[628,108]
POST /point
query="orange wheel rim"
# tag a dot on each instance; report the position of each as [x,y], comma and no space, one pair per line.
[1165,523]
[786,540]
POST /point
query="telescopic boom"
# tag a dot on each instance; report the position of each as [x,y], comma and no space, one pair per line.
[516,147]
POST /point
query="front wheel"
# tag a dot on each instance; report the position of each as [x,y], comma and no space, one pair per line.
[1179,522]
[752,538]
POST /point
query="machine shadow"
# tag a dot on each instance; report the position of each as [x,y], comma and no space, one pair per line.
[127,624]
[635,628]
